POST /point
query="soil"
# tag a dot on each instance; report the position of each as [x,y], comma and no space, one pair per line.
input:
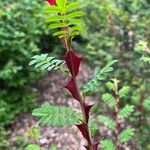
[51,89]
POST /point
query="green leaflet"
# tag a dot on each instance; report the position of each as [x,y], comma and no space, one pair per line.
[75,14]
[53,9]
[44,62]
[110,86]
[65,17]
[108,99]
[55,25]
[107,121]
[75,21]
[60,33]
[108,67]
[126,134]
[126,111]
[61,3]
[56,116]
[93,84]
[124,91]
[93,126]
[107,145]
[72,6]
[55,18]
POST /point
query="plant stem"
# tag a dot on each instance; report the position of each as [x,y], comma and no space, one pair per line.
[140,110]
[81,101]
[116,113]
[67,45]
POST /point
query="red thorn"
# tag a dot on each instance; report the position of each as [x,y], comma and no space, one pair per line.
[73,62]
[83,129]
[71,87]
[87,109]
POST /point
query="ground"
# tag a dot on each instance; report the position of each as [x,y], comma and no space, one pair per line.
[51,89]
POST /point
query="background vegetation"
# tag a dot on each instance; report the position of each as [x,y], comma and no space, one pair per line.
[113,29]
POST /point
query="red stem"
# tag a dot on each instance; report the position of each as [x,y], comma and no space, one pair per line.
[81,100]
[116,115]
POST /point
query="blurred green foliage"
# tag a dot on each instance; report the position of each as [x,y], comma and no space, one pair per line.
[114,27]
[21,29]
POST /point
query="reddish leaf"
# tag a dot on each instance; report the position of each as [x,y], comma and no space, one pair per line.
[95,146]
[70,86]
[73,62]
[83,129]
[52,2]
[87,109]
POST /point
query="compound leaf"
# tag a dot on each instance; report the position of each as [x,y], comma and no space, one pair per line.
[56,116]
[108,99]
[93,84]
[107,145]
[43,62]
[126,111]
[126,134]
[72,6]
[107,122]
[124,91]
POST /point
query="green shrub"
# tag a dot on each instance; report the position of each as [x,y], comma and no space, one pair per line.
[119,30]
[20,31]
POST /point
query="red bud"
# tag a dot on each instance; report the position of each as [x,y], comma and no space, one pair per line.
[87,110]
[52,2]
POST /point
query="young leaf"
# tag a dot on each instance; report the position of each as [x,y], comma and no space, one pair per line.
[108,99]
[56,116]
[110,85]
[59,33]
[43,62]
[55,18]
[72,6]
[124,91]
[93,126]
[126,111]
[126,135]
[108,67]
[61,3]
[53,9]
[93,84]
[56,25]
[75,21]
[107,145]
[75,14]
[65,18]
[107,122]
